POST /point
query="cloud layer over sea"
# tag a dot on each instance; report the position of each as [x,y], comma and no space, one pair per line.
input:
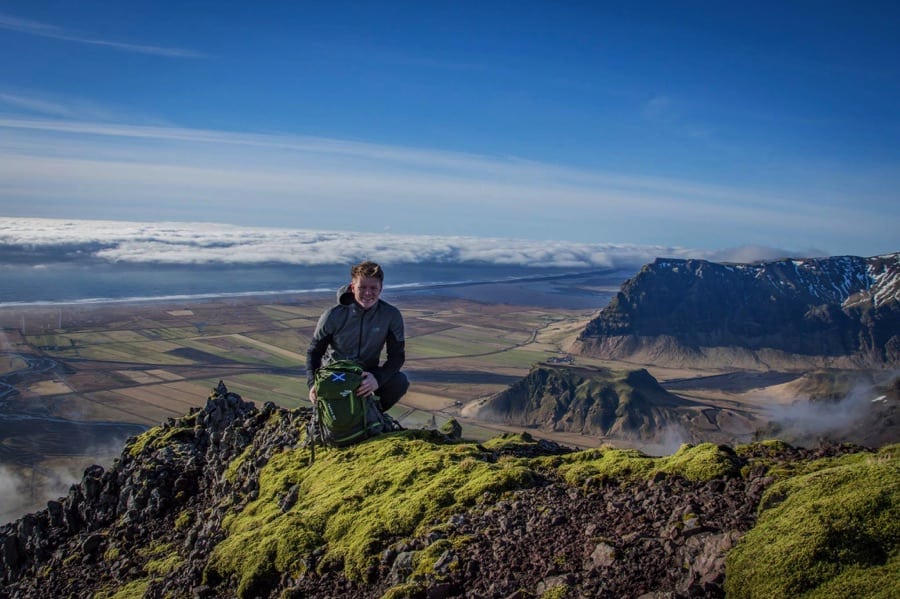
[209,244]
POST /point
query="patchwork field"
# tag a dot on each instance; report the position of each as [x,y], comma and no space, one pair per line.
[76,381]
[128,367]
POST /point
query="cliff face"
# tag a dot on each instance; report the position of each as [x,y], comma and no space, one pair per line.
[224,502]
[822,310]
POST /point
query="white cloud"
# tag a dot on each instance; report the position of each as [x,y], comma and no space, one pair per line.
[13,497]
[755,253]
[211,243]
[657,107]
[101,170]
[26,101]
[39,29]
[33,104]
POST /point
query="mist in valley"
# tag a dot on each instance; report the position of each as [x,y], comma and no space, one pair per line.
[27,489]
[866,414]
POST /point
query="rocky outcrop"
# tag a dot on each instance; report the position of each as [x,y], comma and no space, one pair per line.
[821,312]
[173,471]
[223,502]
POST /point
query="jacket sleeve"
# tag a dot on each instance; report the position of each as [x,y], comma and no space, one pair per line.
[318,344]
[396,351]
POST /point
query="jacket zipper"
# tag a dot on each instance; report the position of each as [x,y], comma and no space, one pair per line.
[359,342]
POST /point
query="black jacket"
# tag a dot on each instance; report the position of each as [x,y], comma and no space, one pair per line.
[347,332]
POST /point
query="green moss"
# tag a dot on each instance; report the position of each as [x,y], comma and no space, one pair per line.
[509,442]
[557,592]
[876,582]
[231,472]
[700,462]
[184,520]
[423,564]
[405,591]
[112,554]
[161,567]
[133,590]
[159,437]
[803,467]
[351,501]
[831,532]
[460,541]
[162,558]
[614,464]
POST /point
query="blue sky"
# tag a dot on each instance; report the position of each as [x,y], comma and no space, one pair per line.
[687,124]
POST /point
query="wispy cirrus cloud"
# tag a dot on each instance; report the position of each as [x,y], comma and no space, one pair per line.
[35,104]
[657,107]
[22,101]
[101,170]
[47,30]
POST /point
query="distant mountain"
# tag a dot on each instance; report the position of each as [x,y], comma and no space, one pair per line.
[599,402]
[840,311]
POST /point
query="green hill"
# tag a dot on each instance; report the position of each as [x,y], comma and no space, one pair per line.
[590,401]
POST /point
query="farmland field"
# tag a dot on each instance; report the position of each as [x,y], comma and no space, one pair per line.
[158,360]
[122,368]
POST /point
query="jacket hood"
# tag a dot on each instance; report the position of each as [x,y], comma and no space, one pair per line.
[344,295]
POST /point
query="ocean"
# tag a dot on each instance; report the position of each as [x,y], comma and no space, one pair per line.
[54,261]
[95,282]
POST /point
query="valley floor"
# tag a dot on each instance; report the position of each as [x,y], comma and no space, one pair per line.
[76,381]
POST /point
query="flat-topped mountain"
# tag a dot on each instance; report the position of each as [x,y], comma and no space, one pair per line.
[839,311]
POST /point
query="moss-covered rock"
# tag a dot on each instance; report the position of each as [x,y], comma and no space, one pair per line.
[352,502]
[227,497]
[132,590]
[694,462]
[833,531]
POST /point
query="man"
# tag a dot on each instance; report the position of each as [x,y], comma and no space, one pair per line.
[358,328]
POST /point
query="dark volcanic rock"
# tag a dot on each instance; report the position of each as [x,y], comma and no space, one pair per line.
[91,538]
[150,524]
[842,307]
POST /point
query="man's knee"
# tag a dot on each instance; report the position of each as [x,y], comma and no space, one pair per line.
[392,390]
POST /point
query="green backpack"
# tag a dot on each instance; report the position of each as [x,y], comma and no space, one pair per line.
[341,417]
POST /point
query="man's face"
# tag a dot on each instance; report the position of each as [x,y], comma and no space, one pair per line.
[366,291]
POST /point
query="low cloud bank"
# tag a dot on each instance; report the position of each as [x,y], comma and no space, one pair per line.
[28,489]
[208,243]
[810,419]
[22,494]
[14,496]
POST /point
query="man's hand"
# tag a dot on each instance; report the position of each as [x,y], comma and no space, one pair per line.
[312,395]
[368,385]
